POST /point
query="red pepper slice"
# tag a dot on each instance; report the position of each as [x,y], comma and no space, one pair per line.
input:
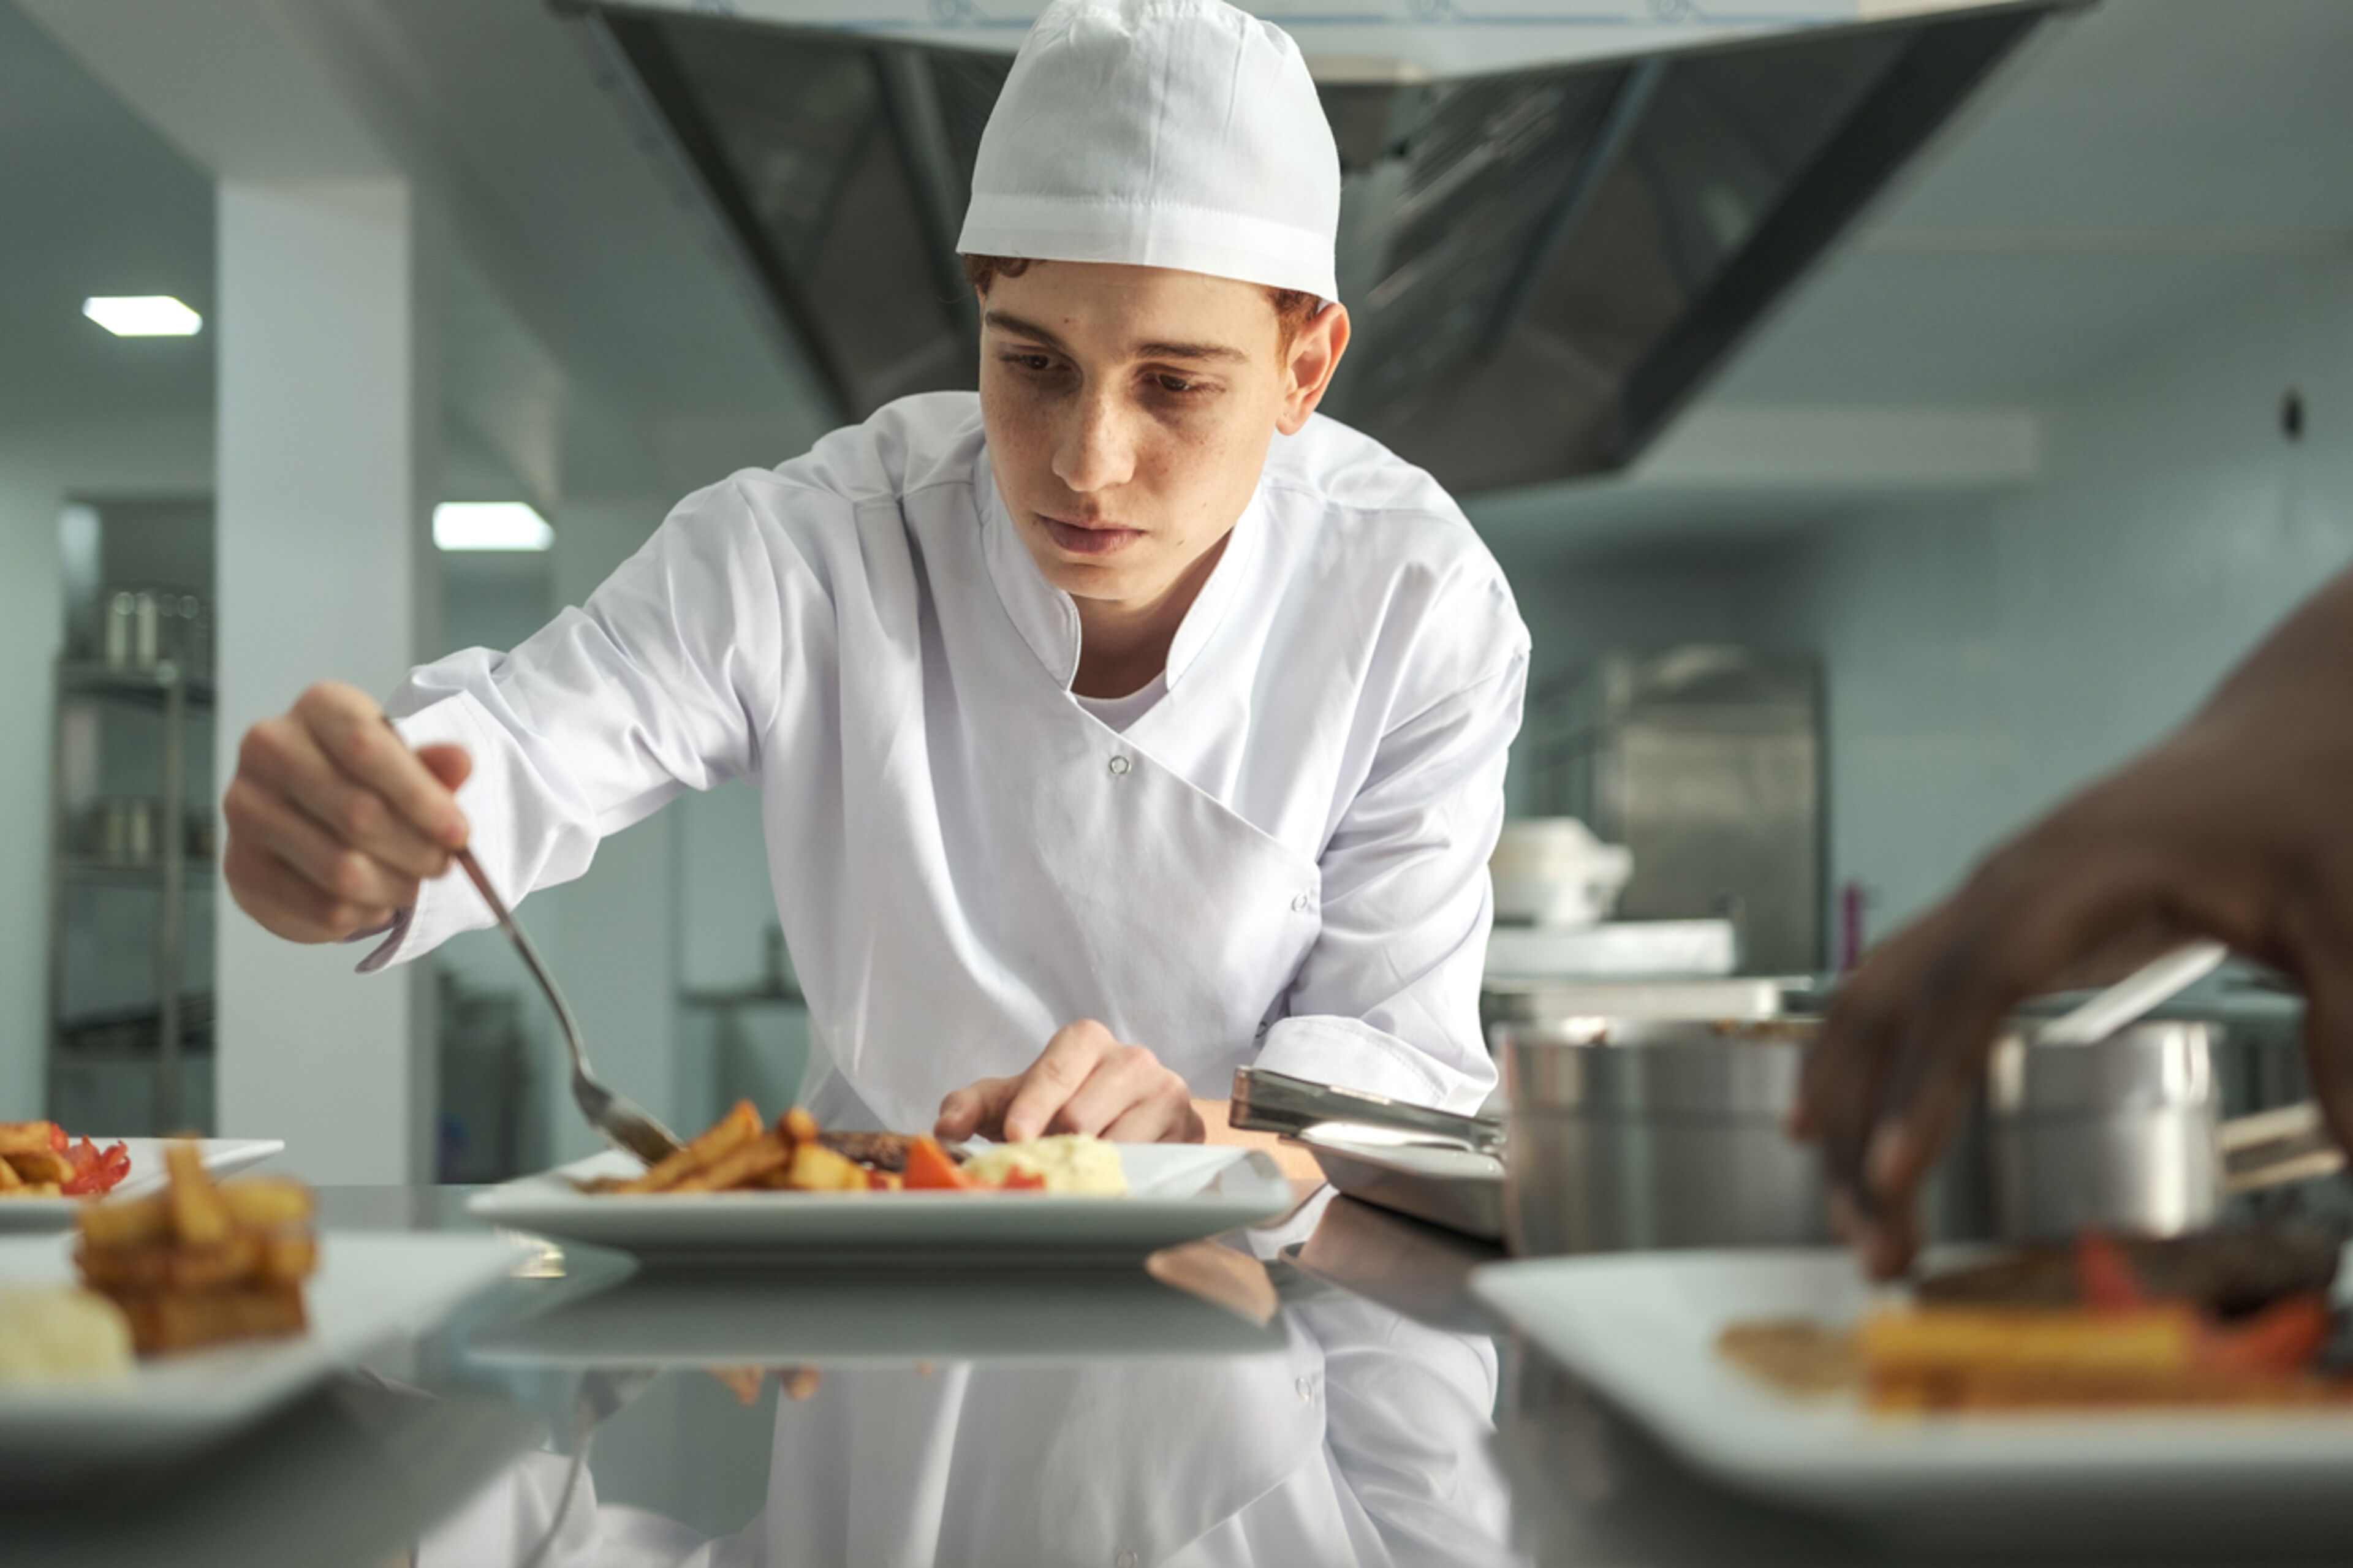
[1022,1182]
[2281,1338]
[930,1168]
[2104,1274]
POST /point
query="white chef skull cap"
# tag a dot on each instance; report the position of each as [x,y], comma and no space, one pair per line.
[1180,134]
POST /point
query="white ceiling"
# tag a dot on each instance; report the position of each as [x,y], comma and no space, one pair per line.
[2138,162]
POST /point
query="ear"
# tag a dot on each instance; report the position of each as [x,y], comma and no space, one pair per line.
[1315,355]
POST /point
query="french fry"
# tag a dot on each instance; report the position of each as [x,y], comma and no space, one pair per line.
[287,1257]
[266,1203]
[199,1218]
[43,1166]
[164,1322]
[9,1179]
[740,1125]
[797,1125]
[740,1165]
[2148,1342]
[27,1138]
[164,1265]
[126,1222]
[817,1169]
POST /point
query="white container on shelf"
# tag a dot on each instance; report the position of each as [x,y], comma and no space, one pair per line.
[1552,872]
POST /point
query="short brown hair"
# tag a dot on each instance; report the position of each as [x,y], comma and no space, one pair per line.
[1293,307]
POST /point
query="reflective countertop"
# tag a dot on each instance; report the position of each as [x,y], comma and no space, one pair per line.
[1322,1391]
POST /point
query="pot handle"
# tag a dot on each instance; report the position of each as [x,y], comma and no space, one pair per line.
[2271,1148]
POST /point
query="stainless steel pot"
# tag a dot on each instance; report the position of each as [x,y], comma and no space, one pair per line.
[1638,1133]
[2128,1135]
[1644,1132]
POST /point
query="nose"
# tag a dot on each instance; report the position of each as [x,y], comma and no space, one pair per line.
[1095,451]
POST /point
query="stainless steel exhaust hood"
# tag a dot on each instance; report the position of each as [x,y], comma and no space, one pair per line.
[1541,265]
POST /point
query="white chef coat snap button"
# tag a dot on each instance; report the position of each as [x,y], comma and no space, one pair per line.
[1300,903]
[1119,766]
[1306,1387]
[1125,1560]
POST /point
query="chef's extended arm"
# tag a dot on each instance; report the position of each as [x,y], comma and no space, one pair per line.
[1388,999]
[662,683]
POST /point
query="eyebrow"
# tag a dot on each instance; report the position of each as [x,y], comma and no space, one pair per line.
[1020,328]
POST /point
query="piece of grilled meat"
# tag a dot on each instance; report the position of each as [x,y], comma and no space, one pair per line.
[2231,1271]
[883,1151]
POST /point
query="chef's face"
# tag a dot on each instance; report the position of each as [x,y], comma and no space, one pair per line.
[1129,410]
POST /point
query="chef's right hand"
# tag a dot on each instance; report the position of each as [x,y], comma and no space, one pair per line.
[332,821]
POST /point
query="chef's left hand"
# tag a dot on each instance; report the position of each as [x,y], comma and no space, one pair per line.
[1084,1081]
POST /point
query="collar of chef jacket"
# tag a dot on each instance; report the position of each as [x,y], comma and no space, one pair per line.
[1047,618]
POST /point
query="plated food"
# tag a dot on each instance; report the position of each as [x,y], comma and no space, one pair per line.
[740,1153]
[199,1264]
[2239,1318]
[39,1159]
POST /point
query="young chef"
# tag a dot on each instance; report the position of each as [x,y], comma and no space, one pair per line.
[1114,728]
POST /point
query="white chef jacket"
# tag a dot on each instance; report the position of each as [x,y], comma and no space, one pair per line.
[1281,860]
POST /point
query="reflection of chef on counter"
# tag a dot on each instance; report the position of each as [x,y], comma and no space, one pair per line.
[1364,1440]
[1129,706]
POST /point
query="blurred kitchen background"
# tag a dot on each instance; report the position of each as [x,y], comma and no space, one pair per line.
[1891,415]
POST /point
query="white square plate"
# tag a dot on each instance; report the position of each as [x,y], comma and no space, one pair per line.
[221,1156]
[1176,1191]
[1642,1329]
[371,1288]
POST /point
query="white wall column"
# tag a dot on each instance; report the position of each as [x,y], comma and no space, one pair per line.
[322,539]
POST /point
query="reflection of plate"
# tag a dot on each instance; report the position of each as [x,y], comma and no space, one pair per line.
[1642,1329]
[371,1288]
[1176,1191]
[842,1317]
[1444,1183]
[222,1157]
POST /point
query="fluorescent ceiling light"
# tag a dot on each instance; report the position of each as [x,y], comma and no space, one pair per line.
[143,316]
[490,525]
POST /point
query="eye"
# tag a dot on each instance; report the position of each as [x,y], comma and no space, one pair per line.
[1178,385]
[1028,359]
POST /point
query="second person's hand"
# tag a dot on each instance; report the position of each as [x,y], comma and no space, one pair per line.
[332,822]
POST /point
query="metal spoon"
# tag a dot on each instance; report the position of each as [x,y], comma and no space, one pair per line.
[2153,984]
[624,1124]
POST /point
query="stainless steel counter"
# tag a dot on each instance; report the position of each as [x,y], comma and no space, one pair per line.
[1321,1391]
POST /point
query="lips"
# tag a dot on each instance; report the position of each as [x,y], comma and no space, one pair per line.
[1088,538]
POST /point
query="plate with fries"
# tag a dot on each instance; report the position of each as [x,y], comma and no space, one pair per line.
[742,1192]
[26,1209]
[1737,1360]
[174,1317]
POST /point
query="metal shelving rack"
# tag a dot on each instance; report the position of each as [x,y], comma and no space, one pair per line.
[168,686]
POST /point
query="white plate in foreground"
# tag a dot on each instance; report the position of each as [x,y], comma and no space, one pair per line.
[1642,1329]
[372,1287]
[221,1156]
[1176,1191]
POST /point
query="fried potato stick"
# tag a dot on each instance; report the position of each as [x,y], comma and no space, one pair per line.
[740,1165]
[740,1125]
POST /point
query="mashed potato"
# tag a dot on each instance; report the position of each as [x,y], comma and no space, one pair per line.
[1070,1163]
[59,1333]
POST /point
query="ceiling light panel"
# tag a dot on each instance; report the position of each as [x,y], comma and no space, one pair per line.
[490,525]
[143,315]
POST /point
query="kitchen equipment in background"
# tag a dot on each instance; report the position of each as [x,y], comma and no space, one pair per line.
[1551,872]
[1706,763]
[1541,1001]
[144,626]
[1542,264]
[1629,1134]
[1617,950]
